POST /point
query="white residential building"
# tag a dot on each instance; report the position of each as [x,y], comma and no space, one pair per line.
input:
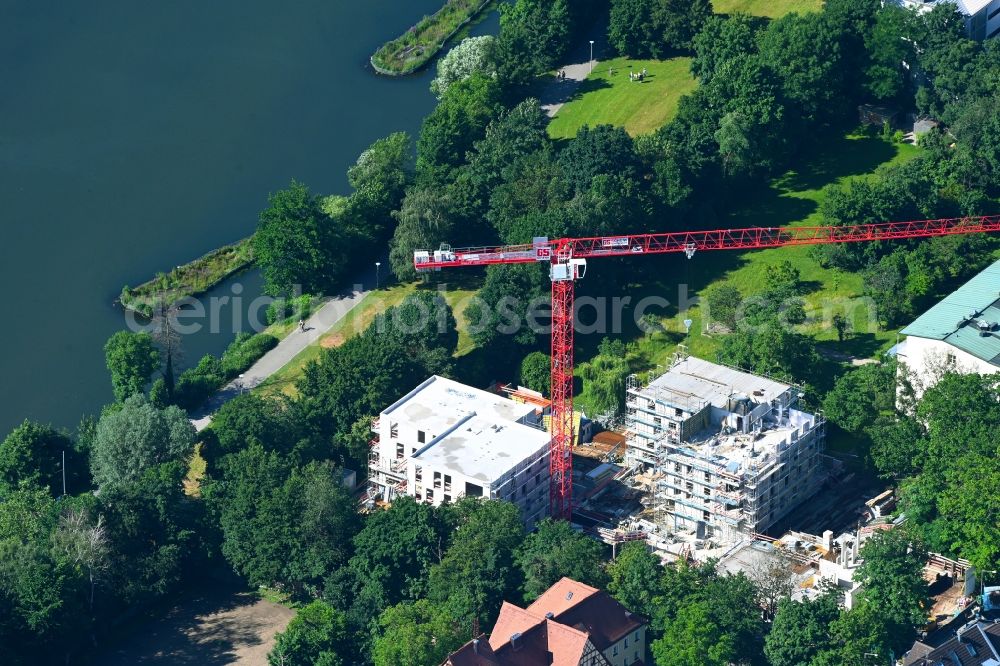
[959,334]
[729,452]
[982,17]
[444,440]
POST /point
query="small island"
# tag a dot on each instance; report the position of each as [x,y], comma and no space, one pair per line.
[419,44]
[191,279]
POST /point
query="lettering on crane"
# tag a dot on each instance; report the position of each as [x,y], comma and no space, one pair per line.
[615,241]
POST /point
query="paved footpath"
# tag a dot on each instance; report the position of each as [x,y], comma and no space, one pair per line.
[295,342]
[559,92]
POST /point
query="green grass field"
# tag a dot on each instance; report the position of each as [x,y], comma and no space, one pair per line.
[792,199]
[613,99]
[769,8]
[357,320]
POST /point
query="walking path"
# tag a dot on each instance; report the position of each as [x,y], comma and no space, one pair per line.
[558,92]
[561,91]
[295,342]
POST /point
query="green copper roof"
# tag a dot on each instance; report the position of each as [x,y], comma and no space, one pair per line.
[957,319]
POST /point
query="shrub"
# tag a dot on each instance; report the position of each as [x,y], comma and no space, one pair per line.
[245,350]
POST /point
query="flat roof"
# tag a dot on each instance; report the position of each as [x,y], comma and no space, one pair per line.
[694,379]
[955,318]
[439,403]
[967,7]
[480,447]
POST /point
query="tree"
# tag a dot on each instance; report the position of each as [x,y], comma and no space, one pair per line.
[604,149]
[891,573]
[457,122]
[897,445]
[415,633]
[283,524]
[296,244]
[804,51]
[801,629]
[860,395]
[473,55]
[884,282]
[43,601]
[131,359]
[136,437]
[426,219]
[534,36]
[631,29]
[735,147]
[33,454]
[478,571]
[379,178]
[692,638]
[555,550]
[273,422]
[681,20]
[153,533]
[394,552]
[316,636]
[536,373]
[723,39]
[889,47]
[724,301]
[771,348]
[359,378]
[499,314]
[635,577]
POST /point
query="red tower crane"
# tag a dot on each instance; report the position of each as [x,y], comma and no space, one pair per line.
[567,259]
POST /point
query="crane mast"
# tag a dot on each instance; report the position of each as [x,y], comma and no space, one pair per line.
[567,259]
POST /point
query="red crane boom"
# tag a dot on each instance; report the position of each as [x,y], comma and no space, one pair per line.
[567,259]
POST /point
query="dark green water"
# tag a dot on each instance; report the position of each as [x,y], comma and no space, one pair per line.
[137,136]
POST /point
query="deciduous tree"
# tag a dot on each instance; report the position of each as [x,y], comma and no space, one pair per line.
[131,359]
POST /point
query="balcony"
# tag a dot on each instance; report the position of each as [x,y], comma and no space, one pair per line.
[375,424]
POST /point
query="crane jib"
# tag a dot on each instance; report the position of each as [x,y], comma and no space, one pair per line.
[568,256]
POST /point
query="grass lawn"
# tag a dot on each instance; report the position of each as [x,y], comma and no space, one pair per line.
[769,8]
[792,199]
[357,320]
[613,99]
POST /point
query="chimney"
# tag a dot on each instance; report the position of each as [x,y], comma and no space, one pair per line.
[475,645]
[515,641]
[828,540]
[549,615]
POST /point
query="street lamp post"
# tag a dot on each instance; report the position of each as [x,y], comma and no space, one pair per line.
[591,56]
[377,264]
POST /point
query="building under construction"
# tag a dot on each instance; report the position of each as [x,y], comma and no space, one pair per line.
[724,452]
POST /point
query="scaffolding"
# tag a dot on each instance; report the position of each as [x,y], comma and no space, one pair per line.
[706,477]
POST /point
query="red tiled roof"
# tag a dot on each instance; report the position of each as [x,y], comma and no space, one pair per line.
[563,595]
[579,613]
[603,618]
[512,620]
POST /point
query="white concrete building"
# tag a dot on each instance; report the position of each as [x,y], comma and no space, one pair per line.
[982,17]
[959,334]
[444,440]
[729,452]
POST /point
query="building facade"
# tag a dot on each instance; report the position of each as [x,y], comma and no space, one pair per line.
[444,440]
[959,334]
[729,451]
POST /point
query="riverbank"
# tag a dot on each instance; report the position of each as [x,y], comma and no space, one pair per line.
[417,46]
[191,279]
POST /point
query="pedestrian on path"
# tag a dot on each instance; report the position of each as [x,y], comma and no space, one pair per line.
[302,325]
